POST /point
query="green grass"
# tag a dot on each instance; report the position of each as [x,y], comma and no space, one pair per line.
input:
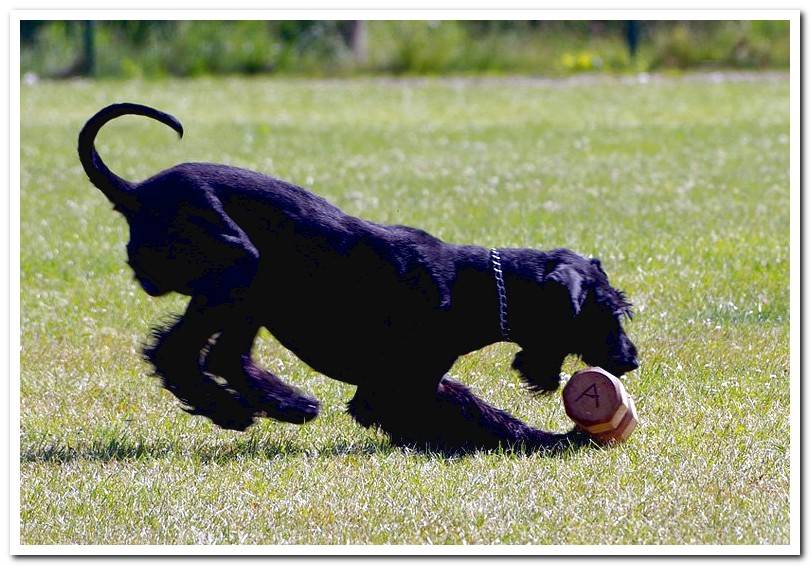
[680,186]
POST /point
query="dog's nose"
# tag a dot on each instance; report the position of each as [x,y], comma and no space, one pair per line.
[634,364]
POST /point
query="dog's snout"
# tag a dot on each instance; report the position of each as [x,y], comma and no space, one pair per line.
[620,367]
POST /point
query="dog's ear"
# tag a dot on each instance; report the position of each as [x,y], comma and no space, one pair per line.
[223,259]
[565,285]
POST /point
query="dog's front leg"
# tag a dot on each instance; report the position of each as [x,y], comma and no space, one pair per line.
[230,359]
[452,419]
[539,370]
[175,357]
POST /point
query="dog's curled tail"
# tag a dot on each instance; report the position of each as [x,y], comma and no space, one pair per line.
[114,187]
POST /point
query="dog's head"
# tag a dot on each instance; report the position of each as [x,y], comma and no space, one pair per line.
[567,306]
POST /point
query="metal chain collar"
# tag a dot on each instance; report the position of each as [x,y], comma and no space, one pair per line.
[495,260]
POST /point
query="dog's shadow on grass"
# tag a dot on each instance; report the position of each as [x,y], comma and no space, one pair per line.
[120,447]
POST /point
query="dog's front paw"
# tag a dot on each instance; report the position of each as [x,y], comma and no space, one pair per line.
[537,372]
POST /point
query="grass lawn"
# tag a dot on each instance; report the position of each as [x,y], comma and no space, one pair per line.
[680,186]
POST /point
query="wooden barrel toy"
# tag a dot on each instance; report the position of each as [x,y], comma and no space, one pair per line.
[599,404]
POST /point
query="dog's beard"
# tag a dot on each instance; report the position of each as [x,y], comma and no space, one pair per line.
[540,372]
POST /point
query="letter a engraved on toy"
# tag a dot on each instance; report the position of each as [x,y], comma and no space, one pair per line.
[591,391]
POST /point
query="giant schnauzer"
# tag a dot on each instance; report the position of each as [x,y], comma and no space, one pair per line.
[386,308]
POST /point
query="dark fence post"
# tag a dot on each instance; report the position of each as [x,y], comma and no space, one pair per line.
[353,33]
[358,41]
[632,36]
[89,48]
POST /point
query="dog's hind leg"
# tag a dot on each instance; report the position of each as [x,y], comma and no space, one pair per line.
[230,358]
[453,419]
[175,357]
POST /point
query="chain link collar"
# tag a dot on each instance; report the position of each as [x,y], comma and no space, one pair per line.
[495,261]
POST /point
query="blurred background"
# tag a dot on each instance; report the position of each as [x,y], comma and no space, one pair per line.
[149,49]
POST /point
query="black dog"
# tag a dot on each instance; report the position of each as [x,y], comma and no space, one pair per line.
[386,308]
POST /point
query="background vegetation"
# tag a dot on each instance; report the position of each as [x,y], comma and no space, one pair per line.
[679,185]
[340,48]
